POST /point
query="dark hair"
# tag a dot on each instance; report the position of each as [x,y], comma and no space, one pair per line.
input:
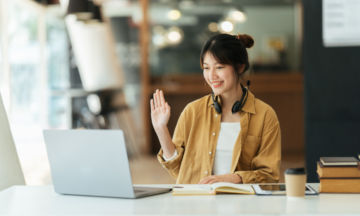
[230,50]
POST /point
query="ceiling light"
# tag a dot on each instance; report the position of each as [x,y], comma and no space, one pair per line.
[158,40]
[238,16]
[174,36]
[186,4]
[159,30]
[174,14]
[213,27]
[227,26]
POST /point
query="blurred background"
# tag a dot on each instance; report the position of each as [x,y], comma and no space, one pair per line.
[83,64]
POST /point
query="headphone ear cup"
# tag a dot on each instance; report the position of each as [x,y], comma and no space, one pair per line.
[218,108]
[235,107]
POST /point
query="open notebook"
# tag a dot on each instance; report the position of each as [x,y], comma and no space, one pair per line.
[213,189]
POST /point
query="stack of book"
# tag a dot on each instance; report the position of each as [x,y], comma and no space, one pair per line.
[339,175]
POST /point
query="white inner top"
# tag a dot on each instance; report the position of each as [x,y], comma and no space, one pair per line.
[224,148]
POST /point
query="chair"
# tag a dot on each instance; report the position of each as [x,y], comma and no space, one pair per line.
[10,169]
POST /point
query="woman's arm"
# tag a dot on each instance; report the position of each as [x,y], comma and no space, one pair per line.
[160,114]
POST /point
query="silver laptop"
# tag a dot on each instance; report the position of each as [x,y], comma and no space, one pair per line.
[92,163]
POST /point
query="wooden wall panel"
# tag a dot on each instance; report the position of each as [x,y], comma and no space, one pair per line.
[290,112]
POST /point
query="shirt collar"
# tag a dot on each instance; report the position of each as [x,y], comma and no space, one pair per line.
[249,105]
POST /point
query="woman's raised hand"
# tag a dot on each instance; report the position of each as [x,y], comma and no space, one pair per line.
[160,110]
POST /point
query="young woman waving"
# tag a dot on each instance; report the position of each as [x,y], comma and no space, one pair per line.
[227,136]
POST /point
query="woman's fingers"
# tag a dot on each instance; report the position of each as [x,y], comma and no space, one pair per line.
[162,99]
[155,102]
[205,180]
[213,181]
[152,105]
[167,107]
[159,98]
[202,180]
[209,180]
[158,103]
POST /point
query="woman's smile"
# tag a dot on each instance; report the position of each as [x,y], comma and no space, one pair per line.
[217,84]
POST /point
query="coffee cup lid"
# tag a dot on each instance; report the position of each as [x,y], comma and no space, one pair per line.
[295,171]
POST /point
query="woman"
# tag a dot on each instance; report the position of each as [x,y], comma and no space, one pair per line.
[212,145]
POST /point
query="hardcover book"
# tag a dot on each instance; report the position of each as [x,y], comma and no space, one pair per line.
[339,186]
[339,161]
[337,171]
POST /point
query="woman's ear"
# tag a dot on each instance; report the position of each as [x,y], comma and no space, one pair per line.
[241,68]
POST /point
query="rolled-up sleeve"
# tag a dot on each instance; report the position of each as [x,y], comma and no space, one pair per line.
[173,166]
[265,166]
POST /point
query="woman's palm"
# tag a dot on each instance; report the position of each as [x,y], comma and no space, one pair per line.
[160,110]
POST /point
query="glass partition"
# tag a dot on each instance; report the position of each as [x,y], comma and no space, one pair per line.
[25,116]
[38,62]
[58,60]
[24,62]
[57,53]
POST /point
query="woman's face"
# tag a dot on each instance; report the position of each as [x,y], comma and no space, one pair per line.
[220,77]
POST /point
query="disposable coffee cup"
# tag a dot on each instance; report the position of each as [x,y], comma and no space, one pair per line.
[295,180]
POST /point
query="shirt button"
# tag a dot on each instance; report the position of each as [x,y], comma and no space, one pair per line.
[215,115]
[206,172]
[213,134]
[209,152]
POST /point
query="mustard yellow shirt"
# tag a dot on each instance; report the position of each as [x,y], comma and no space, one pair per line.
[257,151]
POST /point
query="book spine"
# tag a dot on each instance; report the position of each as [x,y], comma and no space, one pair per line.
[339,186]
[338,172]
[339,177]
[319,171]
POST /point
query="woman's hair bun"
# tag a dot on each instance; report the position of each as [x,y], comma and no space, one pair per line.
[247,40]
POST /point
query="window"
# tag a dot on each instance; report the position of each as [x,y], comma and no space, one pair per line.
[33,81]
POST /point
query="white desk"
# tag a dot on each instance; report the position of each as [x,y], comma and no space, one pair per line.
[42,200]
